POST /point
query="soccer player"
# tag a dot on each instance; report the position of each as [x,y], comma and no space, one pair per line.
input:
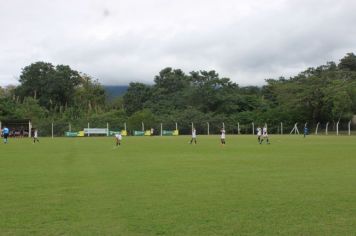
[194,136]
[222,137]
[305,131]
[265,135]
[5,133]
[118,138]
[35,136]
[259,133]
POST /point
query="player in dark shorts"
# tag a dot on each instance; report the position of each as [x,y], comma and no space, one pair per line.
[5,133]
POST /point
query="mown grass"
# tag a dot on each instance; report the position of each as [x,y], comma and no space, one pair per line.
[165,186]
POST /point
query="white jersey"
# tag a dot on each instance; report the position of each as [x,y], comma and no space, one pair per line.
[222,134]
[118,136]
[259,132]
[35,135]
[194,133]
[264,131]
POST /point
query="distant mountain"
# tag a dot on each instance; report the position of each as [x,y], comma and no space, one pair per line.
[114,91]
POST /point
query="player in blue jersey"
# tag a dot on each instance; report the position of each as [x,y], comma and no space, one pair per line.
[5,133]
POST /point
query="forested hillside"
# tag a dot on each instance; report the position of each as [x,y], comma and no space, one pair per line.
[56,93]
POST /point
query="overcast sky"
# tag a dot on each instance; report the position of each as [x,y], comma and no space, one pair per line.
[119,41]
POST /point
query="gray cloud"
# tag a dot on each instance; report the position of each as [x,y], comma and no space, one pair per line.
[122,41]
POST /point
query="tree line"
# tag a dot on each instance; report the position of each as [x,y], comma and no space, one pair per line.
[59,94]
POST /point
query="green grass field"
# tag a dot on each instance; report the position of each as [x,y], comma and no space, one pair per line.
[164,186]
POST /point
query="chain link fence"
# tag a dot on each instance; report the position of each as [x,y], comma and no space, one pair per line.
[59,128]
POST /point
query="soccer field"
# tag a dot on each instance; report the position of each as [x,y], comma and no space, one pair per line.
[165,186]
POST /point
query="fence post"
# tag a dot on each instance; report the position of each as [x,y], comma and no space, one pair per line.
[70,127]
[281,127]
[52,130]
[317,127]
[349,126]
[161,129]
[253,128]
[107,128]
[337,128]
[88,129]
[208,128]
[326,128]
[176,126]
[295,129]
[143,126]
[29,128]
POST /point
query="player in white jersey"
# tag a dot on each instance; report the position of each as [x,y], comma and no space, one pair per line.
[222,137]
[35,136]
[259,134]
[194,136]
[118,138]
[265,135]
